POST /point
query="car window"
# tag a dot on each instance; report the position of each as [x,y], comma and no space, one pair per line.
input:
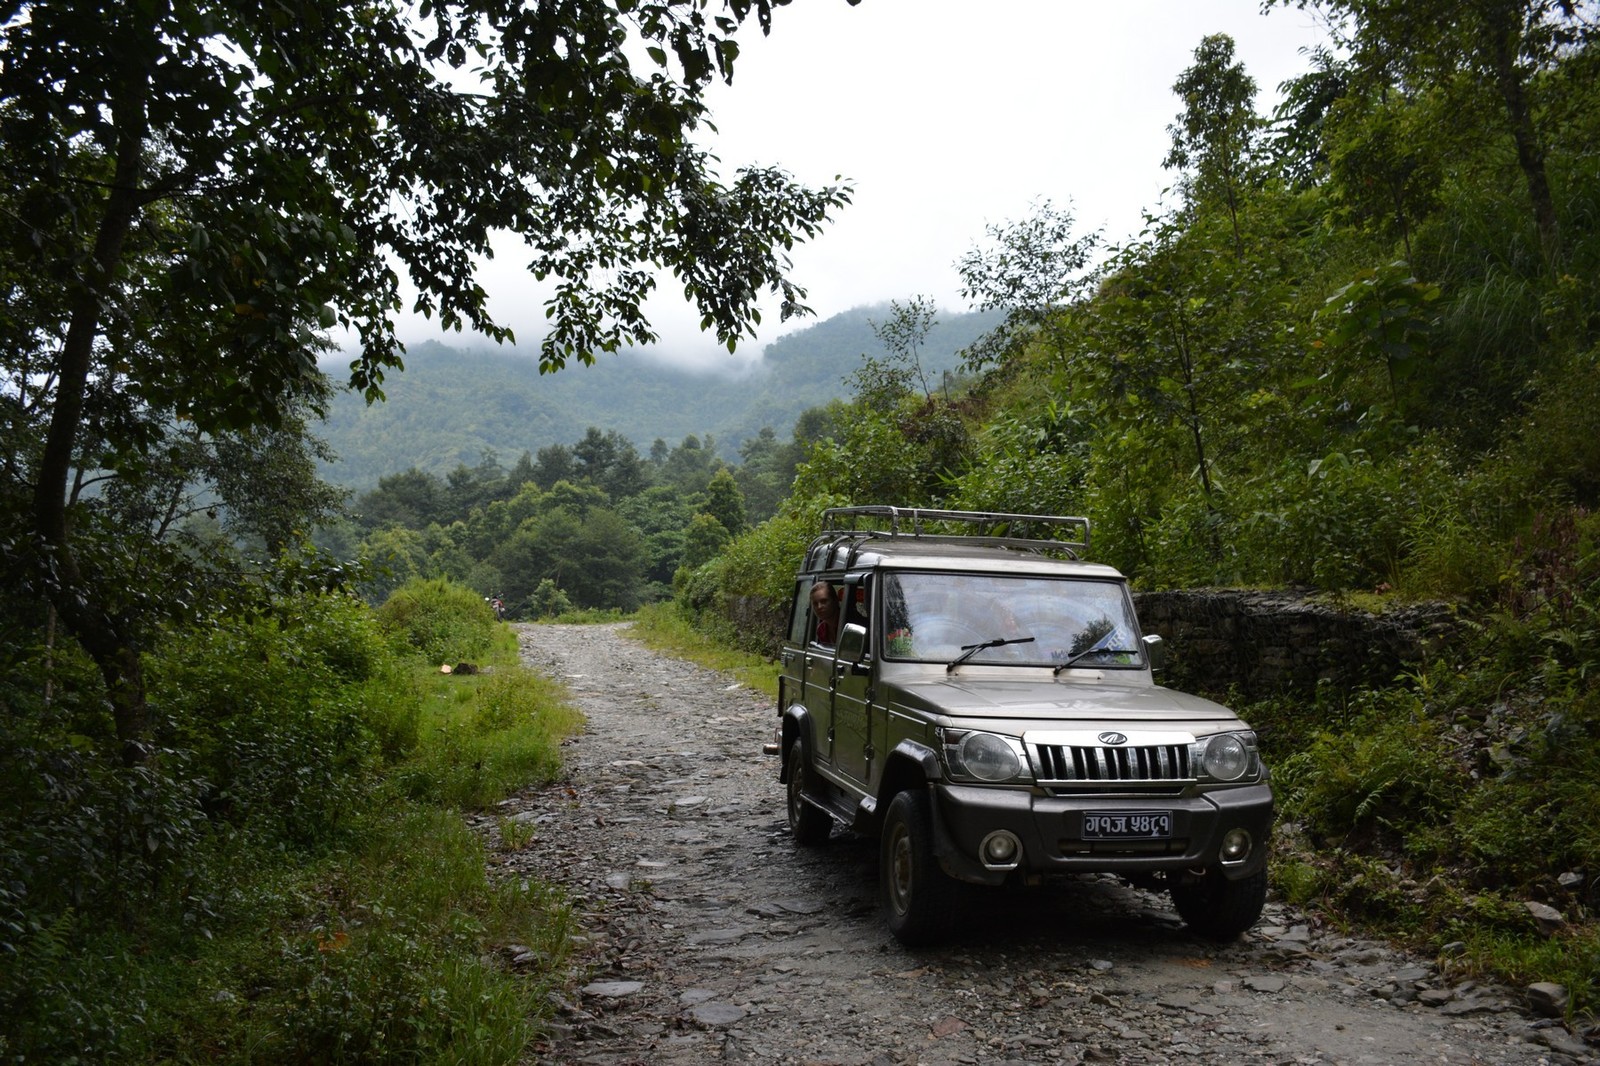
[933,617]
[800,616]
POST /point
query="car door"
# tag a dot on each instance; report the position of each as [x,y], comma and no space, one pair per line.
[817,672]
[852,687]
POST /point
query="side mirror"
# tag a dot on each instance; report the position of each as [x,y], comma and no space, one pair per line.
[852,643]
[1155,650]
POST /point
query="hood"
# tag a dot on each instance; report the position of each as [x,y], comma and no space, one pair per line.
[1043,703]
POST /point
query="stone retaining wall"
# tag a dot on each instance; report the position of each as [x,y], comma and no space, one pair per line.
[1266,643]
[1256,643]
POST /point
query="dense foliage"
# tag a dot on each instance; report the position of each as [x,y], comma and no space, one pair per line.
[590,526]
[1357,352]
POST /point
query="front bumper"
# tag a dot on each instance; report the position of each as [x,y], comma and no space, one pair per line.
[1050,830]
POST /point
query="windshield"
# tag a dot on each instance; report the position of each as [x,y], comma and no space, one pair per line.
[1045,621]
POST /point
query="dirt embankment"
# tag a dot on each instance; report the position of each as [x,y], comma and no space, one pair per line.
[709,937]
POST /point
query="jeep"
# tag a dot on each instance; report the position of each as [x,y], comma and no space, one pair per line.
[964,687]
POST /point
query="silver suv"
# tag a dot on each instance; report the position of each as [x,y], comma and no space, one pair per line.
[962,686]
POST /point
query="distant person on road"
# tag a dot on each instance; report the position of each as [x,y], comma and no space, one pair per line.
[825,607]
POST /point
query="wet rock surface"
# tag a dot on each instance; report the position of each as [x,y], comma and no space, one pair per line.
[708,936]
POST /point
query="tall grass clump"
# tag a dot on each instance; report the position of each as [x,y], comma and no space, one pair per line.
[485,735]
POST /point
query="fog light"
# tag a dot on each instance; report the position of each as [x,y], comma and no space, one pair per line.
[1000,850]
[1235,846]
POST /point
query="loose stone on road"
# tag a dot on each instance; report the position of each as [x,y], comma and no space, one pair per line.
[708,936]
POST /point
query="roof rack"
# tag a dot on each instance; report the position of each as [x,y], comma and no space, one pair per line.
[842,531]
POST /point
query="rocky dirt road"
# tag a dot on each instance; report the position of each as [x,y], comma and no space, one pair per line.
[709,937]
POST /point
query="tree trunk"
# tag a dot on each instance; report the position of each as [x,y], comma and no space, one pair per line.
[1504,36]
[102,636]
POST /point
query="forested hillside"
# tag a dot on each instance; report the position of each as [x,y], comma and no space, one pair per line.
[451,406]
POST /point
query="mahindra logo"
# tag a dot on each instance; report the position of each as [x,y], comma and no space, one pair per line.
[1113,738]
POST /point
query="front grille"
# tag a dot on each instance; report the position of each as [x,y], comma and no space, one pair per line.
[1058,764]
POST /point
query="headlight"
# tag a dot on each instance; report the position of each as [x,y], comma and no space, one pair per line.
[983,756]
[1228,756]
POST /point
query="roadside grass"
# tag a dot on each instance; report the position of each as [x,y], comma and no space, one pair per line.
[484,735]
[397,950]
[662,627]
[400,948]
[387,941]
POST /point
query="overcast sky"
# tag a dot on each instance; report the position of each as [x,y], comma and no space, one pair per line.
[949,116]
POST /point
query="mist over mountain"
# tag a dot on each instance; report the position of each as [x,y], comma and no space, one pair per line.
[451,405]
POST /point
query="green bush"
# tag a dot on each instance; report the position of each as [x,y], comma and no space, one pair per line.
[1539,815]
[285,716]
[1345,521]
[1553,452]
[763,562]
[548,601]
[1191,544]
[442,621]
[72,994]
[1390,772]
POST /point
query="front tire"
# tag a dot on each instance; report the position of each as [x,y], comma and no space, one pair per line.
[809,825]
[1217,908]
[919,899]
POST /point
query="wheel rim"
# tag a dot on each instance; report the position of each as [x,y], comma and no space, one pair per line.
[900,884]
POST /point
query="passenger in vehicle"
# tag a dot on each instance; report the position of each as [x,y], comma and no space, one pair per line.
[825,608]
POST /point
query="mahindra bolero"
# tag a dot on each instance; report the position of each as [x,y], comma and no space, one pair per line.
[965,687]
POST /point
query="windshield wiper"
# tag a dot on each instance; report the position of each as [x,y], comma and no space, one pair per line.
[1099,645]
[969,650]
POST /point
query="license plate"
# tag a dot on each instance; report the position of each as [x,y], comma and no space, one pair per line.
[1121,825]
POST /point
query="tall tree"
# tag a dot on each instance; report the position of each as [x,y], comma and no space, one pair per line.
[903,333]
[1215,138]
[1031,269]
[725,502]
[194,189]
[610,462]
[1501,46]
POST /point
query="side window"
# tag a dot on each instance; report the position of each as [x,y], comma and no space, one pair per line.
[800,612]
[858,603]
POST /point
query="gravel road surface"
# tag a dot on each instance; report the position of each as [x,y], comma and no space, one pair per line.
[708,936]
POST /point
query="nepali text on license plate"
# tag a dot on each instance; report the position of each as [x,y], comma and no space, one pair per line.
[1120,824]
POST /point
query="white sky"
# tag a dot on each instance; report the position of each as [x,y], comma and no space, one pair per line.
[948,116]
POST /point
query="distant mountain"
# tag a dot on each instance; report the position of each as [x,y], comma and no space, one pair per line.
[449,406]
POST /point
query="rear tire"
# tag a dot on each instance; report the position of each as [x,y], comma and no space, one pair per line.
[919,899]
[1217,908]
[809,825]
